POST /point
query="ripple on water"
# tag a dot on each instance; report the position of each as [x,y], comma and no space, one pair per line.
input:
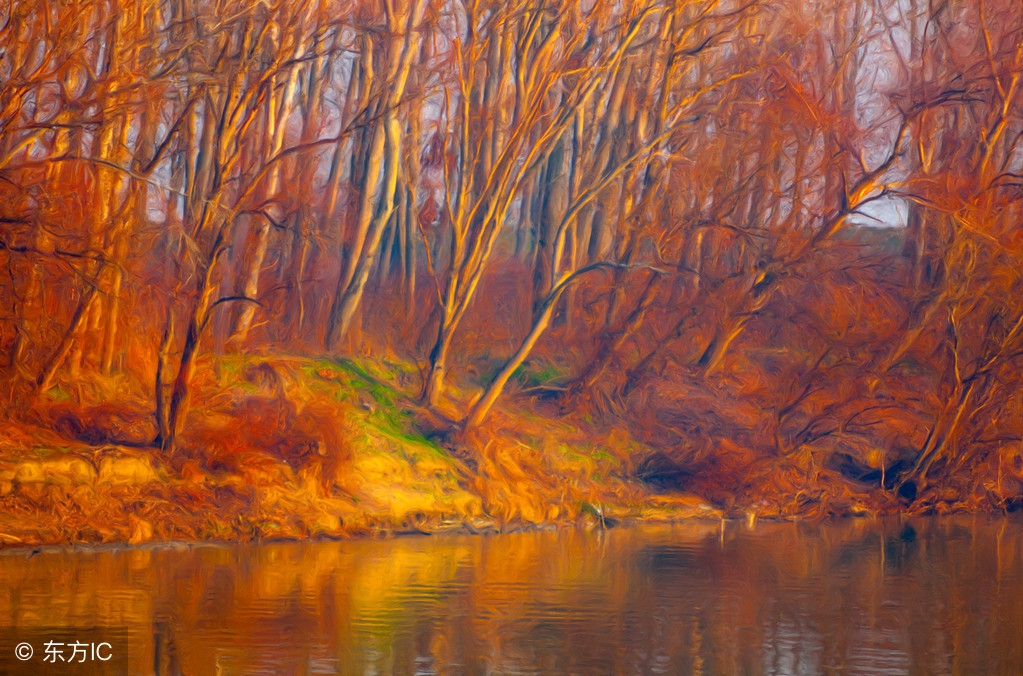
[882,597]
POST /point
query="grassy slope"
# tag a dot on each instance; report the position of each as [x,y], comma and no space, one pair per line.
[284,447]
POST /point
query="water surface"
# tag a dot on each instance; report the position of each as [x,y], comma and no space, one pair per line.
[927,596]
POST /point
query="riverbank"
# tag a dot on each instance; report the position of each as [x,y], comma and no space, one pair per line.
[284,447]
[292,448]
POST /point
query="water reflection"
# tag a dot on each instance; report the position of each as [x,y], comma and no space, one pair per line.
[882,597]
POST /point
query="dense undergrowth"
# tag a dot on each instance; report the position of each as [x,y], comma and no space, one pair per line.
[285,447]
[294,447]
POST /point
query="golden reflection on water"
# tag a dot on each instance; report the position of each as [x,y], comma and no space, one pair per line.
[933,596]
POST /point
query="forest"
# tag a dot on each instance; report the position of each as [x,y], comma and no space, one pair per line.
[337,267]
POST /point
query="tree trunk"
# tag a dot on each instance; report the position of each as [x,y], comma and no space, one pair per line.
[555,202]
[179,401]
[114,303]
[341,320]
[411,232]
[438,364]
[354,250]
[160,388]
[78,320]
[278,118]
[543,320]
[378,194]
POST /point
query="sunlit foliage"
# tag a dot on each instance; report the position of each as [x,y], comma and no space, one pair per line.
[778,241]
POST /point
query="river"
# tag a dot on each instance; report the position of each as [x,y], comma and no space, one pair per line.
[935,595]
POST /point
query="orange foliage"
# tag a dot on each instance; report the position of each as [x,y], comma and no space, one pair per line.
[777,245]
